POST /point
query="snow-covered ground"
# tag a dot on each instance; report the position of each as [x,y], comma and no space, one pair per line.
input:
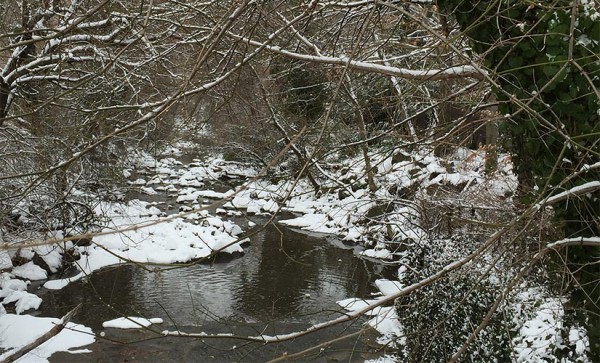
[19,330]
[390,214]
[153,241]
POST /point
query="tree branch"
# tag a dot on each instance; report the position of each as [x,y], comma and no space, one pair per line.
[574,241]
[463,71]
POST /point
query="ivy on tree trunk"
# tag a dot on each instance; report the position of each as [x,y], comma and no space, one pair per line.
[545,58]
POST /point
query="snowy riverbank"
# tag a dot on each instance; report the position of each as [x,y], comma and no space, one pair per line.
[388,222]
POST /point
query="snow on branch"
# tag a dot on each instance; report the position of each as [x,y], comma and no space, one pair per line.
[588,167]
[575,241]
[463,71]
[352,4]
[56,31]
[575,191]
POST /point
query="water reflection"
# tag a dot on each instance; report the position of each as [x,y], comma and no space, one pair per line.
[107,292]
[287,272]
[285,276]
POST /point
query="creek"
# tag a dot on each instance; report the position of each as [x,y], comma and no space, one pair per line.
[286,281]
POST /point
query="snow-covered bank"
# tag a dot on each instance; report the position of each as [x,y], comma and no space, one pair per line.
[133,232]
[383,318]
[138,231]
[19,330]
[426,208]
[178,240]
[390,219]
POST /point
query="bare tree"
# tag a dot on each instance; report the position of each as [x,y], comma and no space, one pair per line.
[319,79]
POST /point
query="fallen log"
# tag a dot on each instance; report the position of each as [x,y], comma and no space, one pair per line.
[44,338]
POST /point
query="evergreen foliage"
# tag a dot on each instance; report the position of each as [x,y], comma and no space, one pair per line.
[546,58]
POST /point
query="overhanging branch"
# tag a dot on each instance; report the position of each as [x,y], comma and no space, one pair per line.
[462,71]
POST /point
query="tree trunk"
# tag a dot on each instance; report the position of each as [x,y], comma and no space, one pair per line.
[363,137]
[4,92]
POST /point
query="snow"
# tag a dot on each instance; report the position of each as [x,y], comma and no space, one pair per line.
[354,234]
[192,194]
[388,287]
[587,167]
[5,260]
[315,221]
[166,241]
[24,301]
[214,195]
[137,232]
[17,331]
[187,195]
[383,359]
[575,240]
[30,271]
[138,182]
[356,304]
[131,322]
[60,283]
[148,190]
[382,254]
[8,285]
[13,291]
[430,74]
[575,191]
[541,330]
[578,337]
[51,254]
[383,318]
[270,206]
[386,322]
[450,178]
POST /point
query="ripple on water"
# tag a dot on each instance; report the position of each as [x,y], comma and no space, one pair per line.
[284,276]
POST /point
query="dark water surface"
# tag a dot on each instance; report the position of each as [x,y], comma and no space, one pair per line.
[286,281]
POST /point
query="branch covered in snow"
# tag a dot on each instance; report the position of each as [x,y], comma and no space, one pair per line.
[463,71]
[574,241]
[589,187]
[360,3]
